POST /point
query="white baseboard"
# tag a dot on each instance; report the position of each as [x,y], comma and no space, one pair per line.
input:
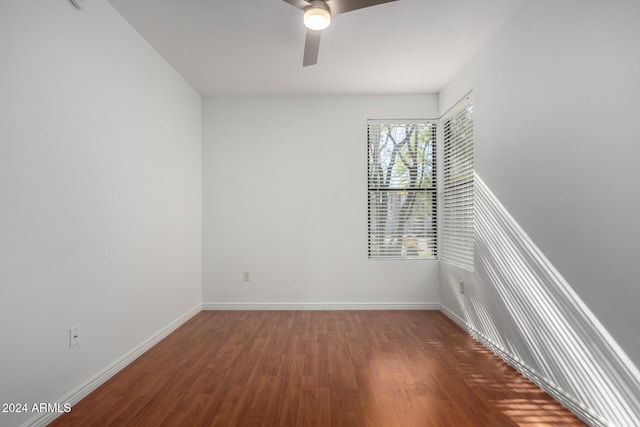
[321,306]
[97,380]
[456,319]
[545,384]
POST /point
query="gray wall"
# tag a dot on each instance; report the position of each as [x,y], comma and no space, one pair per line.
[556,144]
[100,194]
[285,199]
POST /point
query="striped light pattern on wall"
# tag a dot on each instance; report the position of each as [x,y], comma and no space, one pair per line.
[520,306]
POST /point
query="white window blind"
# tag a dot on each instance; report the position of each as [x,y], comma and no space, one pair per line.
[402,190]
[457,206]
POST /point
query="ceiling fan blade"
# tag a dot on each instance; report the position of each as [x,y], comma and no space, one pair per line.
[300,4]
[342,6]
[311,47]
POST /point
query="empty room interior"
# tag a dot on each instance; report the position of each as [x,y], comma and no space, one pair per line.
[424,214]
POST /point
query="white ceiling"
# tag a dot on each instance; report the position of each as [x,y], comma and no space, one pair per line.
[256,46]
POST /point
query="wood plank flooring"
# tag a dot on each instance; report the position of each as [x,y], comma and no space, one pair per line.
[318,368]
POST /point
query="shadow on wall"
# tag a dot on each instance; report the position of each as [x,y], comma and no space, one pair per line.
[518,305]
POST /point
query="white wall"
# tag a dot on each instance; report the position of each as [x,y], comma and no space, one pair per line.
[100,193]
[556,111]
[285,199]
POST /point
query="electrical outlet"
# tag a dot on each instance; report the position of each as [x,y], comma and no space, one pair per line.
[462,287]
[245,276]
[74,336]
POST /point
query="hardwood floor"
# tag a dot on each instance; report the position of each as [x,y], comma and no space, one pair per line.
[318,368]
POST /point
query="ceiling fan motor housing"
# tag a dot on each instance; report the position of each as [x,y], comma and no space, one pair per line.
[319,4]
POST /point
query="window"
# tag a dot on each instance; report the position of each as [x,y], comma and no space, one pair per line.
[456,237]
[402,190]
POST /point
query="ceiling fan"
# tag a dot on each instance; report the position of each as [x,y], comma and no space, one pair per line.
[317,16]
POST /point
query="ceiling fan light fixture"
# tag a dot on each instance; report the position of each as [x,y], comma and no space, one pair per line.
[317,17]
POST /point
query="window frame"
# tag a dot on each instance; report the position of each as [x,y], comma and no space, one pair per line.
[423,244]
[456,193]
